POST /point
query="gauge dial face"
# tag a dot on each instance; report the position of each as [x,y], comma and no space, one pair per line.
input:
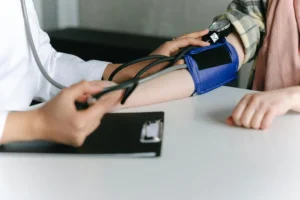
[216,26]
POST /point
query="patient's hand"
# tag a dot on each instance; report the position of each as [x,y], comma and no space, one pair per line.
[257,111]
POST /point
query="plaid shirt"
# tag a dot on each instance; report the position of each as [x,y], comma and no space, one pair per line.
[248,18]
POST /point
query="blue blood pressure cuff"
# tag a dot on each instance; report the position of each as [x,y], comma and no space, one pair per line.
[212,66]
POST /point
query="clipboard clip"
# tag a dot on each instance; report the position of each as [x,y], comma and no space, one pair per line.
[152,132]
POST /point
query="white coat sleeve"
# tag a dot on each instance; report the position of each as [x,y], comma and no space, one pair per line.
[3,117]
[63,68]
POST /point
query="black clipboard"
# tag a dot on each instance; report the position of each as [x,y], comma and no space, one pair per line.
[129,134]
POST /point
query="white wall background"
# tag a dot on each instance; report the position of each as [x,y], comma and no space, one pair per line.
[68,13]
[57,13]
[154,17]
[39,9]
[150,17]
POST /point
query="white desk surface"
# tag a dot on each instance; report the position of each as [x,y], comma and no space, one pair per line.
[202,159]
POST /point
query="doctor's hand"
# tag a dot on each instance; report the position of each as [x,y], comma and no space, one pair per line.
[60,122]
[257,111]
[169,48]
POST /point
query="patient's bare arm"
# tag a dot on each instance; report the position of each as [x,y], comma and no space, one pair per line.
[235,40]
[175,85]
[167,49]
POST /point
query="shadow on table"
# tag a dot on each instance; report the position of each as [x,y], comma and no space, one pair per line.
[219,116]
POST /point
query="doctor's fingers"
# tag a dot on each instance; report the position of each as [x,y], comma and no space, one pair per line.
[81,89]
[105,104]
[99,86]
[176,45]
[196,35]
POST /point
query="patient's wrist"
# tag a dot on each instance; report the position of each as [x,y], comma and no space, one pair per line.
[295,98]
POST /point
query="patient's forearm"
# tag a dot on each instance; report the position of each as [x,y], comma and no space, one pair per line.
[173,86]
[131,71]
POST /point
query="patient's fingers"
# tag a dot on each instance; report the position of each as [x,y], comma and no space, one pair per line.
[230,121]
